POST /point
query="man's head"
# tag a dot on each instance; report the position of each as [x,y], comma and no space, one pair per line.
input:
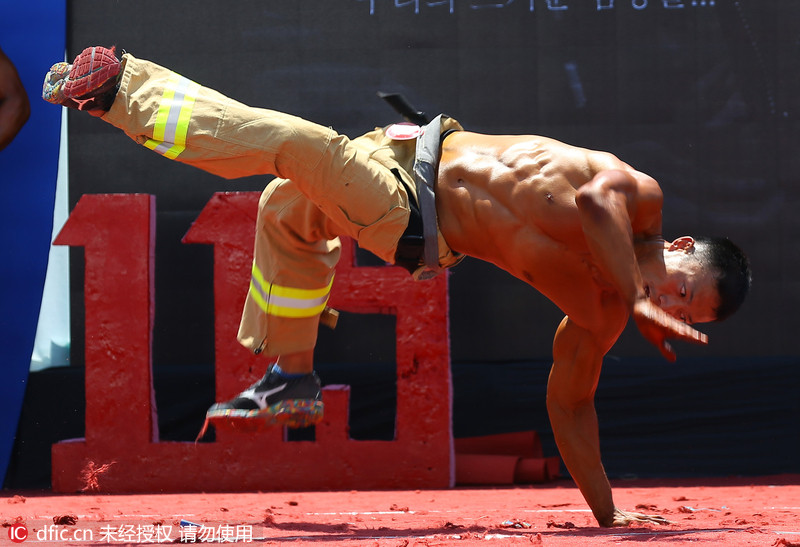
[704,279]
[731,271]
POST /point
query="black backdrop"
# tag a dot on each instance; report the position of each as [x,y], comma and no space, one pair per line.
[700,94]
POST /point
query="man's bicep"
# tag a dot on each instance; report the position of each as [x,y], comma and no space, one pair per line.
[649,200]
[577,360]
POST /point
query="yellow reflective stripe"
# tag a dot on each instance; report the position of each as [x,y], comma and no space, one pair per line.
[255,294]
[281,301]
[163,109]
[300,294]
[173,116]
[185,115]
[258,278]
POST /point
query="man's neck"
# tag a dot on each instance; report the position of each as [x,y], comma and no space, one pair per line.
[648,250]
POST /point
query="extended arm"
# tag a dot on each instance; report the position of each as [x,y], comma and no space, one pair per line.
[570,404]
[14,106]
[577,360]
[613,206]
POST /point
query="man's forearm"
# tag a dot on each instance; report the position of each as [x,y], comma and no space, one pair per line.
[607,227]
[576,435]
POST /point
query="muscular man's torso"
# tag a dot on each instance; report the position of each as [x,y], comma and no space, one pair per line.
[510,200]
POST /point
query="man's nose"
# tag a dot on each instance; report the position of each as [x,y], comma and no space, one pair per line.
[667,303]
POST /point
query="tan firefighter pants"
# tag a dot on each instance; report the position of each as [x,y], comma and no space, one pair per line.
[329,186]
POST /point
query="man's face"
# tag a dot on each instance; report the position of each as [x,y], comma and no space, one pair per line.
[687,290]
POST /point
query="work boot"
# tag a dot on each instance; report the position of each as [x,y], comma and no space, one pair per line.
[275,400]
[90,83]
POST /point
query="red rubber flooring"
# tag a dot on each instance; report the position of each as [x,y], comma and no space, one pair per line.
[762,511]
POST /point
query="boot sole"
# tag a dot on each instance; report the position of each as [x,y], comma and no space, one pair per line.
[293,413]
[86,80]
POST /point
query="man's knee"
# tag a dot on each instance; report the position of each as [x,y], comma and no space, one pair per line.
[283,208]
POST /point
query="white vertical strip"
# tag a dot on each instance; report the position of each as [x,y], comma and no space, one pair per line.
[51,346]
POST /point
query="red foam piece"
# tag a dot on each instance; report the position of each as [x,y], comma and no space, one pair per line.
[494,469]
[553,467]
[525,444]
[117,231]
[501,469]
[505,458]
[531,470]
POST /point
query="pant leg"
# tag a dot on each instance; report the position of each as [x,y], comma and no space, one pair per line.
[187,122]
[296,250]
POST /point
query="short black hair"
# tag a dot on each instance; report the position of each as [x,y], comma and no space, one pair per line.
[732,272]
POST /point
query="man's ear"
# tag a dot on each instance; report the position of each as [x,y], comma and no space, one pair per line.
[683,243]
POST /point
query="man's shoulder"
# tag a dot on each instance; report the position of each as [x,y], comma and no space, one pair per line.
[596,332]
[606,319]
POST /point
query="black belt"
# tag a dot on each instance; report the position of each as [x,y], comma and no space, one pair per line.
[419,244]
[411,247]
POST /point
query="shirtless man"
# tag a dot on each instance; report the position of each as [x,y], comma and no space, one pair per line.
[580,226]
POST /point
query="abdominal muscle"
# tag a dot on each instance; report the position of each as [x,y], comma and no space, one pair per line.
[510,200]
